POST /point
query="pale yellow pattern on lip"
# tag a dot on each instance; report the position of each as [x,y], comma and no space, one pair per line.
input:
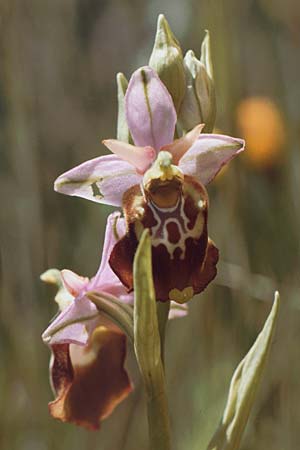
[181,296]
[162,169]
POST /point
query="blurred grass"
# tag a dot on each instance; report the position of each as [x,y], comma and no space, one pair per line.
[57,101]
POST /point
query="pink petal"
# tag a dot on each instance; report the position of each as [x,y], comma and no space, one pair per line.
[140,157]
[208,155]
[102,180]
[180,146]
[118,290]
[73,282]
[150,112]
[115,230]
[70,325]
[105,279]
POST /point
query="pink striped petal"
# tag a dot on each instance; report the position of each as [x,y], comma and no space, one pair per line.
[102,180]
[118,290]
[180,146]
[73,282]
[105,279]
[140,157]
[208,155]
[70,325]
[149,108]
[115,230]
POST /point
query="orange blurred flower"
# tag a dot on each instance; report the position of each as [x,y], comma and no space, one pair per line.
[261,124]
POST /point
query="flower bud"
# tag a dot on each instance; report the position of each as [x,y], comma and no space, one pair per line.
[123,133]
[199,103]
[167,60]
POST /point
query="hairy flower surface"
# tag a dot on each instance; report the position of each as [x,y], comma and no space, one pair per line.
[88,351]
[159,182]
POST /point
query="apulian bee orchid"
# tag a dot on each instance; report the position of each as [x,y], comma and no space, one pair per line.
[88,350]
[159,182]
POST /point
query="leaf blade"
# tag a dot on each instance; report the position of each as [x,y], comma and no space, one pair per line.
[243,387]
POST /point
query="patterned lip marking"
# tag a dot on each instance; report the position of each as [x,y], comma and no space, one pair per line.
[173,232]
[183,257]
[181,296]
[164,232]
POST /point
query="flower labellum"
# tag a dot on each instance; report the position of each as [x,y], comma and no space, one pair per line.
[173,206]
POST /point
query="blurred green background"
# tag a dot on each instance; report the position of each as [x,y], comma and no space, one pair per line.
[57,101]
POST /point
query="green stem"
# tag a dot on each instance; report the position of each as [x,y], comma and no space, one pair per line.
[158,415]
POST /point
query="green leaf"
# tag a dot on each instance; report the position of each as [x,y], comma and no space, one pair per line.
[243,388]
[148,347]
[146,331]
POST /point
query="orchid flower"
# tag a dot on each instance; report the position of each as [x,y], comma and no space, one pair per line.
[159,182]
[88,351]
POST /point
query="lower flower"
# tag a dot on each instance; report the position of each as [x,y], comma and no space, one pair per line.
[89,381]
[87,370]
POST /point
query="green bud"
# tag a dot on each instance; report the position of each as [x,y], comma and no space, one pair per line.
[206,55]
[199,103]
[167,60]
[123,133]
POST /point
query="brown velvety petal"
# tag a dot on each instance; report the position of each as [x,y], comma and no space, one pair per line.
[122,255]
[209,270]
[61,369]
[177,273]
[89,380]
[121,259]
[183,259]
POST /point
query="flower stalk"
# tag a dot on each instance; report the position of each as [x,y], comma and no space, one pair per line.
[147,344]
